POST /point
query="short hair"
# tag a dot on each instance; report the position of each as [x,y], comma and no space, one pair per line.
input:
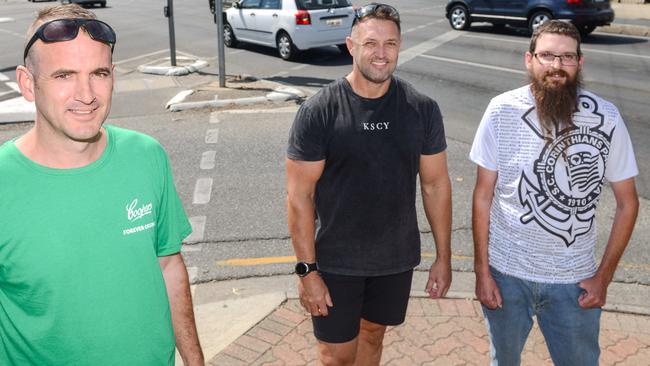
[56,12]
[555,27]
[381,12]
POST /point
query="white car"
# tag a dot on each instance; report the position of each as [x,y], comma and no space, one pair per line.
[289,25]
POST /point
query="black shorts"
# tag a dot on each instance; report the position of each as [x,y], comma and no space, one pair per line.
[378,299]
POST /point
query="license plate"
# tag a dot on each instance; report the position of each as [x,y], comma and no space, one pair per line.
[333,22]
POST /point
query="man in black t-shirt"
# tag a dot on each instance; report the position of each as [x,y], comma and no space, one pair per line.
[355,151]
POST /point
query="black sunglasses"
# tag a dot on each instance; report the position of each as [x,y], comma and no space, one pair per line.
[60,30]
[377,9]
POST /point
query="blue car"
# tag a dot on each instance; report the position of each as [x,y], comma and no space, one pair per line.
[586,15]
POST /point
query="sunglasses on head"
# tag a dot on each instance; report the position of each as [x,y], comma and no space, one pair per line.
[60,30]
[374,9]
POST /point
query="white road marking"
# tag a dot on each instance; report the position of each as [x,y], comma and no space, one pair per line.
[289,109]
[584,49]
[140,56]
[419,49]
[214,117]
[3,77]
[474,64]
[208,160]
[198,233]
[202,191]
[212,136]
[6,20]
[192,273]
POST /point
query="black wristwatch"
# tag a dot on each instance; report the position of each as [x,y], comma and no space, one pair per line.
[303,268]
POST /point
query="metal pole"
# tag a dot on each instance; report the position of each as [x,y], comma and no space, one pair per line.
[218,13]
[169,13]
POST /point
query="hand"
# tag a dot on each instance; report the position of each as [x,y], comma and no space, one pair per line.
[488,292]
[439,279]
[314,295]
[595,293]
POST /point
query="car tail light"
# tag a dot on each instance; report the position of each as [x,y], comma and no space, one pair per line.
[303,18]
[574,2]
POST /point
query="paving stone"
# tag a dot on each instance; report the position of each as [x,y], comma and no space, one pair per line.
[415,308]
[239,352]
[224,360]
[626,347]
[253,344]
[465,308]
[430,308]
[628,323]
[443,347]
[609,338]
[290,357]
[264,335]
[297,341]
[442,330]
[448,307]
[475,325]
[609,321]
[642,357]
[274,327]
[479,344]
[293,317]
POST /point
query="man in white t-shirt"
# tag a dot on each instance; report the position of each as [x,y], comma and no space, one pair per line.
[543,152]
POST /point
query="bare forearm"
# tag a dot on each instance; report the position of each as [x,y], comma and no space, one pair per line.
[302,227]
[619,237]
[437,206]
[180,301]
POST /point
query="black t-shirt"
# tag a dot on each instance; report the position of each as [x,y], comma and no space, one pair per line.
[365,198]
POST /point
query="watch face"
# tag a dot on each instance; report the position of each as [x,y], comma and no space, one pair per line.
[301,268]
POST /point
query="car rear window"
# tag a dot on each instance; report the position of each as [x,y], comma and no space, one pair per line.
[322,4]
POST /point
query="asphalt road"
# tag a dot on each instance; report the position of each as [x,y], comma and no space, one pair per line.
[245,215]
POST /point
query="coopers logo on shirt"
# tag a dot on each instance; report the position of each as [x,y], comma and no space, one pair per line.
[133,212]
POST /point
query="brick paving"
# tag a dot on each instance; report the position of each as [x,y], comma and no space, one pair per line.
[436,332]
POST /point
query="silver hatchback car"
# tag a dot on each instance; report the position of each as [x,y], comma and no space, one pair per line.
[289,25]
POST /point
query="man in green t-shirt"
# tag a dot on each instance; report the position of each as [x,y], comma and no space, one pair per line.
[90,265]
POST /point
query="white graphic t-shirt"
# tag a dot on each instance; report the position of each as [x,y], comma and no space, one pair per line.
[542,225]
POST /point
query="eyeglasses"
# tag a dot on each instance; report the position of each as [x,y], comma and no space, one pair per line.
[566,59]
[384,10]
[60,30]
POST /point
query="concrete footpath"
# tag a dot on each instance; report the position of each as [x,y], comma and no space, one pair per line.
[259,321]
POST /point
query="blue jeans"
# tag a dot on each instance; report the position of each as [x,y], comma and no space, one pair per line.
[570,331]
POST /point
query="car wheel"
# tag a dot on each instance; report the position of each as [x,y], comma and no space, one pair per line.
[103,5]
[585,30]
[286,48]
[459,17]
[229,38]
[537,19]
[343,48]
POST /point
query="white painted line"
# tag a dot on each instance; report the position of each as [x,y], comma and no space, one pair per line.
[3,77]
[212,136]
[299,67]
[584,49]
[179,97]
[6,20]
[13,85]
[192,273]
[141,56]
[214,117]
[289,109]
[419,49]
[474,64]
[208,160]
[198,231]
[7,93]
[202,191]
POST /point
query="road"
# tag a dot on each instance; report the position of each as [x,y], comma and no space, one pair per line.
[241,229]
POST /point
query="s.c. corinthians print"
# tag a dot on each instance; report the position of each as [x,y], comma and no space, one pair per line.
[562,192]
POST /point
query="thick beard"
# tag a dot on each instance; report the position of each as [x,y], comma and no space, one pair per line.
[555,103]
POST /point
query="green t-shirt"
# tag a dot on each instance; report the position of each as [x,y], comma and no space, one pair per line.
[80,281]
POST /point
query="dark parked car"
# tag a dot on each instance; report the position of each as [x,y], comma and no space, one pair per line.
[101,3]
[586,15]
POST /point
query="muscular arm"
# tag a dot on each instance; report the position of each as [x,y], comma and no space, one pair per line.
[487,291]
[436,197]
[302,177]
[180,302]
[627,207]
